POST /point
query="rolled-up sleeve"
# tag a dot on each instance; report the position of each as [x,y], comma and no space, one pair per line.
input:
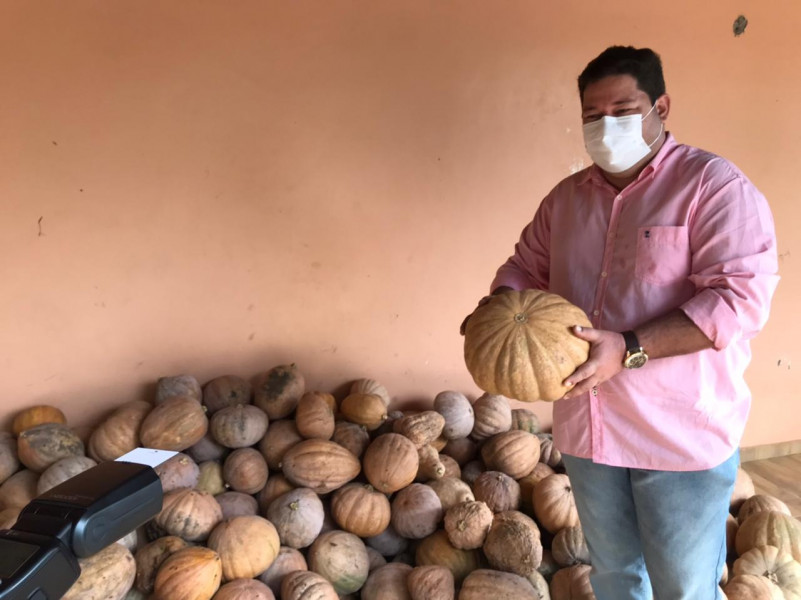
[734,262]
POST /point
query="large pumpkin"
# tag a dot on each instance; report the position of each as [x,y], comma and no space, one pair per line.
[770,528]
[106,575]
[192,573]
[247,546]
[519,344]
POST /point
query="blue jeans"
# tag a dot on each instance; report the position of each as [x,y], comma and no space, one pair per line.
[659,534]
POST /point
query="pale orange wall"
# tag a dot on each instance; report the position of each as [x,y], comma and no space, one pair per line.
[220,187]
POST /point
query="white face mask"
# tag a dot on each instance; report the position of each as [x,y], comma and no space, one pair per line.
[616,144]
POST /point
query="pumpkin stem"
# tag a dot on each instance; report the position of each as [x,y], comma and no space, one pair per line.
[293,505]
[521,318]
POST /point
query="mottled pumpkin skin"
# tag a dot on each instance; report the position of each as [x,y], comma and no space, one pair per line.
[43,445]
[519,345]
[106,575]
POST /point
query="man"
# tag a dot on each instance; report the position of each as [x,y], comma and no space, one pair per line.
[671,252]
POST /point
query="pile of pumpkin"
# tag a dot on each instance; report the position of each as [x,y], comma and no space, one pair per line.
[280,492]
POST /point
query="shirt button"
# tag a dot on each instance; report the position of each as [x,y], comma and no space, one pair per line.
[604,274]
[596,312]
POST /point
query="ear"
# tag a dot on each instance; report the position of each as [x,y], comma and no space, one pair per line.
[663,106]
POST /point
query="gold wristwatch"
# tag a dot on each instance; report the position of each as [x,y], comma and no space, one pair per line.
[635,355]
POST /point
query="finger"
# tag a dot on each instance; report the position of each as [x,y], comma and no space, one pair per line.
[463,326]
[581,374]
[587,334]
[582,388]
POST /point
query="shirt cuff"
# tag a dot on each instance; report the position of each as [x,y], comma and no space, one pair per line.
[713,316]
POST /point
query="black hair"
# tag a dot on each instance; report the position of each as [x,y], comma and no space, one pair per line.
[641,63]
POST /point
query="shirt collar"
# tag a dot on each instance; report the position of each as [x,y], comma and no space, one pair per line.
[593,172]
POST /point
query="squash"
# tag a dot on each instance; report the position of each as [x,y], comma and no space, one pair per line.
[237,504]
[390,462]
[429,464]
[431,582]
[207,449]
[276,485]
[436,549]
[9,461]
[37,415]
[307,585]
[492,415]
[513,544]
[472,470]
[388,542]
[731,533]
[19,489]
[752,587]
[570,548]
[554,504]
[244,589]
[150,557]
[572,583]
[529,482]
[361,510]
[297,516]
[513,452]
[238,426]
[525,419]
[210,478]
[760,503]
[287,561]
[178,472]
[387,582]
[61,471]
[42,445]
[106,575]
[462,450]
[314,415]
[280,437]
[549,454]
[451,491]
[119,433]
[767,561]
[247,546]
[245,470]
[770,528]
[176,424]
[321,465]
[416,511]
[227,390]
[178,385]
[9,516]
[278,390]
[370,386]
[192,573]
[422,428]
[743,490]
[482,584]
[452,468]
[341,558]
[457,411]
[520,345]
[352,437]
[467,524]
[367,410]
[499,491]
[375,558]
[189,514]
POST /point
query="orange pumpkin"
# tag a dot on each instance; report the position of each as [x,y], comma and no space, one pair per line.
[482,584]
[192,573]
[390,462]
[360,509]
[278,391]
[519,344]
[321,465]
[119,433]
[554,504]
[467,524]
[437,549]
[572,583]
[37,415]
[314,415]
[42,445]
[431,581]
[513,452]
[189,514]
[150,557]
[247,546]
[175,424]
[244,589]
[245,470]
[307,585]
[224,391]
[770,528]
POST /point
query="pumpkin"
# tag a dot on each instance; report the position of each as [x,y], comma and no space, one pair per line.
[430,582]
[19,489]
[192,573]
[767,561]
[119,433]
[245,470]
[387,583]
[278,391]
[321,465]
[499,491]
[388,542]
[554,504]
[244,589]
[207,449]
[549,454]
[452,468]
[276,485]
[472,470]
[237,504]
[462,450]
[178,472]
[9,462]
[520,345]
[731,533]
[451,491]
[61,471]
[436,549]
[178,385]
[314,415]
[429,464]
[367,410]
[525,419]
[247,546]
[390,462]
[548,566]
[238,426]
[743,490]
[360,509]
[280,437]
[370,386]
[106,575]
[482,584]
[297,516]
[760,503]
[287,561]
[307,585]
[570,548]
[770,528]
[752,587]
[176,424]
[492,415]
[189,514]
[210,478]
[227,390]
[422,428]
[416,511]
[513,452]
[513,544]
[572,583]
[37,415]
[375,558]
[467,524]
[527,484]
[341,558]
[42,445]
[457,411]
[150,557]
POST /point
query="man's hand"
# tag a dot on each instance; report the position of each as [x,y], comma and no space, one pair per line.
[481,302]
[607,349]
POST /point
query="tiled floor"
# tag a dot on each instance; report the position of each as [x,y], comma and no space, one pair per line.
[779,477]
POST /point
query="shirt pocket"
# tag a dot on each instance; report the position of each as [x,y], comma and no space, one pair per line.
[663,254]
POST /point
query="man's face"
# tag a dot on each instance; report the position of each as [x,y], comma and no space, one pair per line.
[618,96]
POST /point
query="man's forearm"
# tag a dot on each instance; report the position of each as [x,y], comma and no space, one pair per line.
[671,335]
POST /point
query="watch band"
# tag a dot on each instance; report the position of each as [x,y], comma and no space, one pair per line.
[632,343]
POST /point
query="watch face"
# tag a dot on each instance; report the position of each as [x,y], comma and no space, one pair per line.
[635,360]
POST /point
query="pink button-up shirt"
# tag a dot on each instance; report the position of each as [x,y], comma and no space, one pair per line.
[692,232]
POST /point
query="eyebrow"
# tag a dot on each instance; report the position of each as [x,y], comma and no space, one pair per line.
[616,103]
